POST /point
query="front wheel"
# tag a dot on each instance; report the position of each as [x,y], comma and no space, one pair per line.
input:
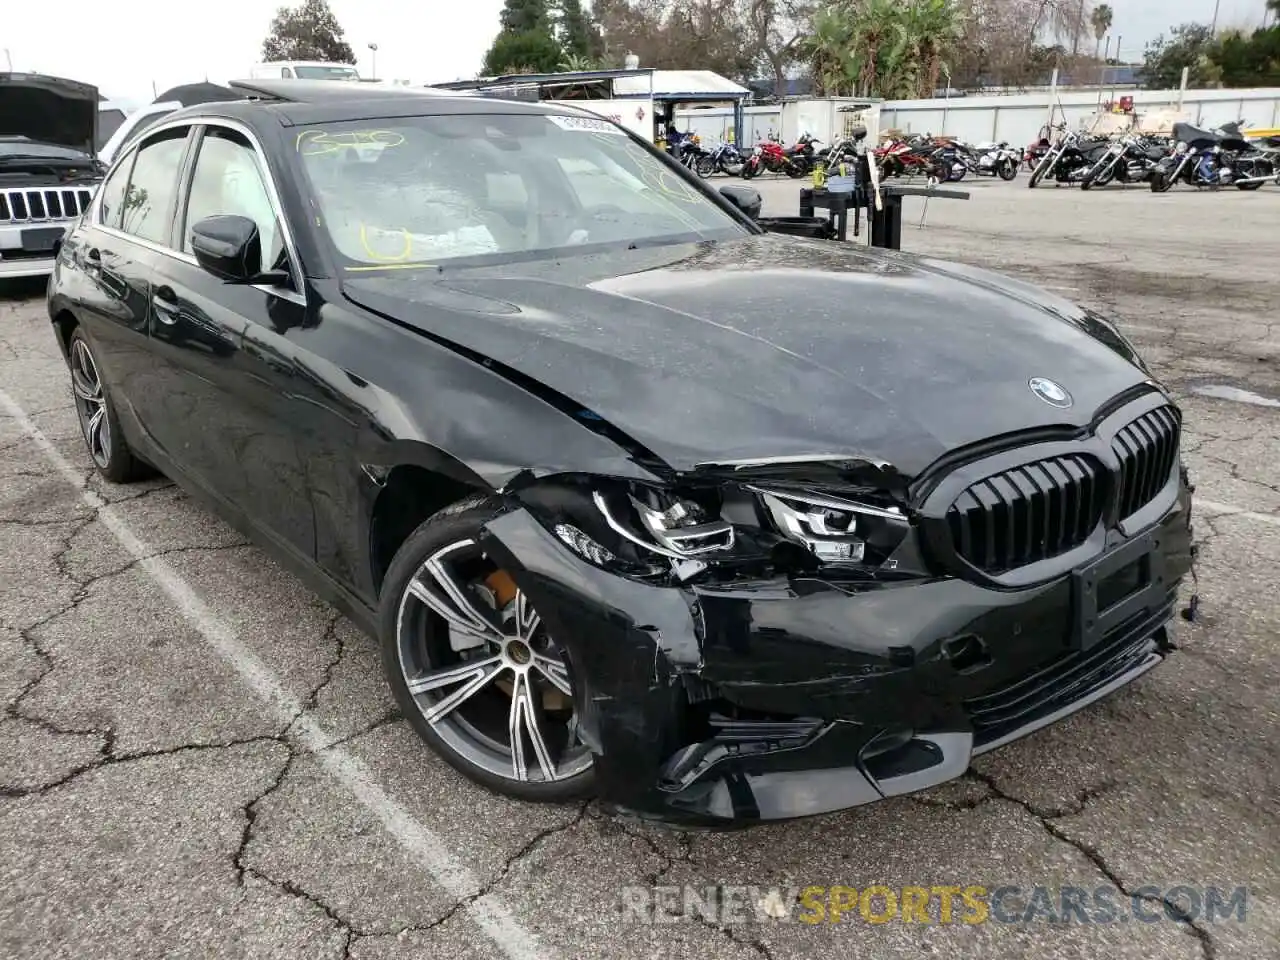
[1160,182]
[706,167]
[1038,175]
[749,170]
[475,669]
[1007,169]
[1249,186]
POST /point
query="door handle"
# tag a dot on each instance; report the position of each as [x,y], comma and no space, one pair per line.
[166,303]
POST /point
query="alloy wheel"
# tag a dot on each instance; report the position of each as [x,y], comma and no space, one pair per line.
[483,670]
[91,403]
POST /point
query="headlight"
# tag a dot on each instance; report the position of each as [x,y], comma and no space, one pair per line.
[645,531]
[834,529]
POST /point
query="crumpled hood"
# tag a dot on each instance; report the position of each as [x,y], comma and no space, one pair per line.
[773,346]
[49,109]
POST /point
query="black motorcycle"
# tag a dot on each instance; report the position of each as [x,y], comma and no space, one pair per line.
[1069,159]
[1130,159]
[722,158]
[1213,158]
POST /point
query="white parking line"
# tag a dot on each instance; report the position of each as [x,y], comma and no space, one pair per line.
[422,845]
[1230,510]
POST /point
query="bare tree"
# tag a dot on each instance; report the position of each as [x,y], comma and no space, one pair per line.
[775,29]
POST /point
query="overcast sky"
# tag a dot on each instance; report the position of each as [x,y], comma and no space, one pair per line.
[124,46]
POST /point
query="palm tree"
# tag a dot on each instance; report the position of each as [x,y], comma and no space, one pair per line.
[1101,20]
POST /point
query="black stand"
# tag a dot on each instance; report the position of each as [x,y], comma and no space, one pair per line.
[886,223]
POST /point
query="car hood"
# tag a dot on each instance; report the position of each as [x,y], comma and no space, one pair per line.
[774,347]
[50,110]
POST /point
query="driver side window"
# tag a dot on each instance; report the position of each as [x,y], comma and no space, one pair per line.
[228,180]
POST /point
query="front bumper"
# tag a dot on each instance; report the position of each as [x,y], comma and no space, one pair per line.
[11,269]
[771,700]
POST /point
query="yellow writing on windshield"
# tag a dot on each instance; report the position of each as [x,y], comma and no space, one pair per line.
[405,253]
[316,143]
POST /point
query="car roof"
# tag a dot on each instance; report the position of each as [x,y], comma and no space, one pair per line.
[293,102]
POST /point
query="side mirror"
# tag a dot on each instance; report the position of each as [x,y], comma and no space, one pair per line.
[228,247]
[746,199]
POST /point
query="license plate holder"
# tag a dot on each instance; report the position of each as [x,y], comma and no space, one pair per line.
[1092,622]
[41,239]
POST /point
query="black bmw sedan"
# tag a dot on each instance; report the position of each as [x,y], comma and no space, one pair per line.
[641,500]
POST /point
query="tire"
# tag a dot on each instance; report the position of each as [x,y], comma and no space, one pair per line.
[1007,170]
[706,167]
[99,424]
[1160,182]
[748,170]
[1037,175]
[1249,186]
[459,596]
[1087,182]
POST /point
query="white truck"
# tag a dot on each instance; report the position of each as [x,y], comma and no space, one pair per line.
[303,70]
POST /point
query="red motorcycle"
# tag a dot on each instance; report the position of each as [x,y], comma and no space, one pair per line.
[905,158]
[769,156]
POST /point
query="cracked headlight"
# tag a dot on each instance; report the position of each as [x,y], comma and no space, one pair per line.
[834,529]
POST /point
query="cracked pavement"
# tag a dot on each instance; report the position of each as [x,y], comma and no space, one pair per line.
[151,805]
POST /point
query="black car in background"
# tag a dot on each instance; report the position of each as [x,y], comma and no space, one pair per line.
[641,500]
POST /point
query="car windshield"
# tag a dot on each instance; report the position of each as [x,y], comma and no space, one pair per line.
[326,73]
[501,187]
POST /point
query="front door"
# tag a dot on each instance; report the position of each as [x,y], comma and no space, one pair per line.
[236,376]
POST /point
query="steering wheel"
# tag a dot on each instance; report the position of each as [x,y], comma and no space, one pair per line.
[581,225]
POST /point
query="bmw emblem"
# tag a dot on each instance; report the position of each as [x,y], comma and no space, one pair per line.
[1054,394]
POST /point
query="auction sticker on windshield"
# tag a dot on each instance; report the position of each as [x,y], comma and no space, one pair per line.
[586,124]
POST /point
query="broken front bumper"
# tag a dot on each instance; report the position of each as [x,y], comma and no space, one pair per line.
[785,698]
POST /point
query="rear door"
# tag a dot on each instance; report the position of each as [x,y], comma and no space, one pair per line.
[134,211]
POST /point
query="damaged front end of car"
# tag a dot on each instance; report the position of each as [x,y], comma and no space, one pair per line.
[765,640]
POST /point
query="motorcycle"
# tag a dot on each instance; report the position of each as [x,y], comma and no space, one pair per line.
[769,156]
[1130,159]
[1213,158]
[722,158]
[692,151]
[951,162]
[903,158]
[1068,159]
[993,159]
[803,156]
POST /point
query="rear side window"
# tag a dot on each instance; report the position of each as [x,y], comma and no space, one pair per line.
[111,202]
[153,186]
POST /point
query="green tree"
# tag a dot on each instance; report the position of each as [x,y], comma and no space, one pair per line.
[1189,45]
[308,31]
[525,41]
[895,49]
[578,35]
[1248,61]
[1100,19]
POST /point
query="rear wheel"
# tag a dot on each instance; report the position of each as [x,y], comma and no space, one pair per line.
[473,667]
[99,424]
[1249,186]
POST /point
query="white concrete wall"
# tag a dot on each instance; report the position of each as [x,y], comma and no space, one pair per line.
[1018,118]
[824,118]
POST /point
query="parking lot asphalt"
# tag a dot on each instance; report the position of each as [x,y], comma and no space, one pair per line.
[198,757]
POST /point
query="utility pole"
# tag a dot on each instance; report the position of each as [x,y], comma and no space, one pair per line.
[1213,27]
[374,68]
